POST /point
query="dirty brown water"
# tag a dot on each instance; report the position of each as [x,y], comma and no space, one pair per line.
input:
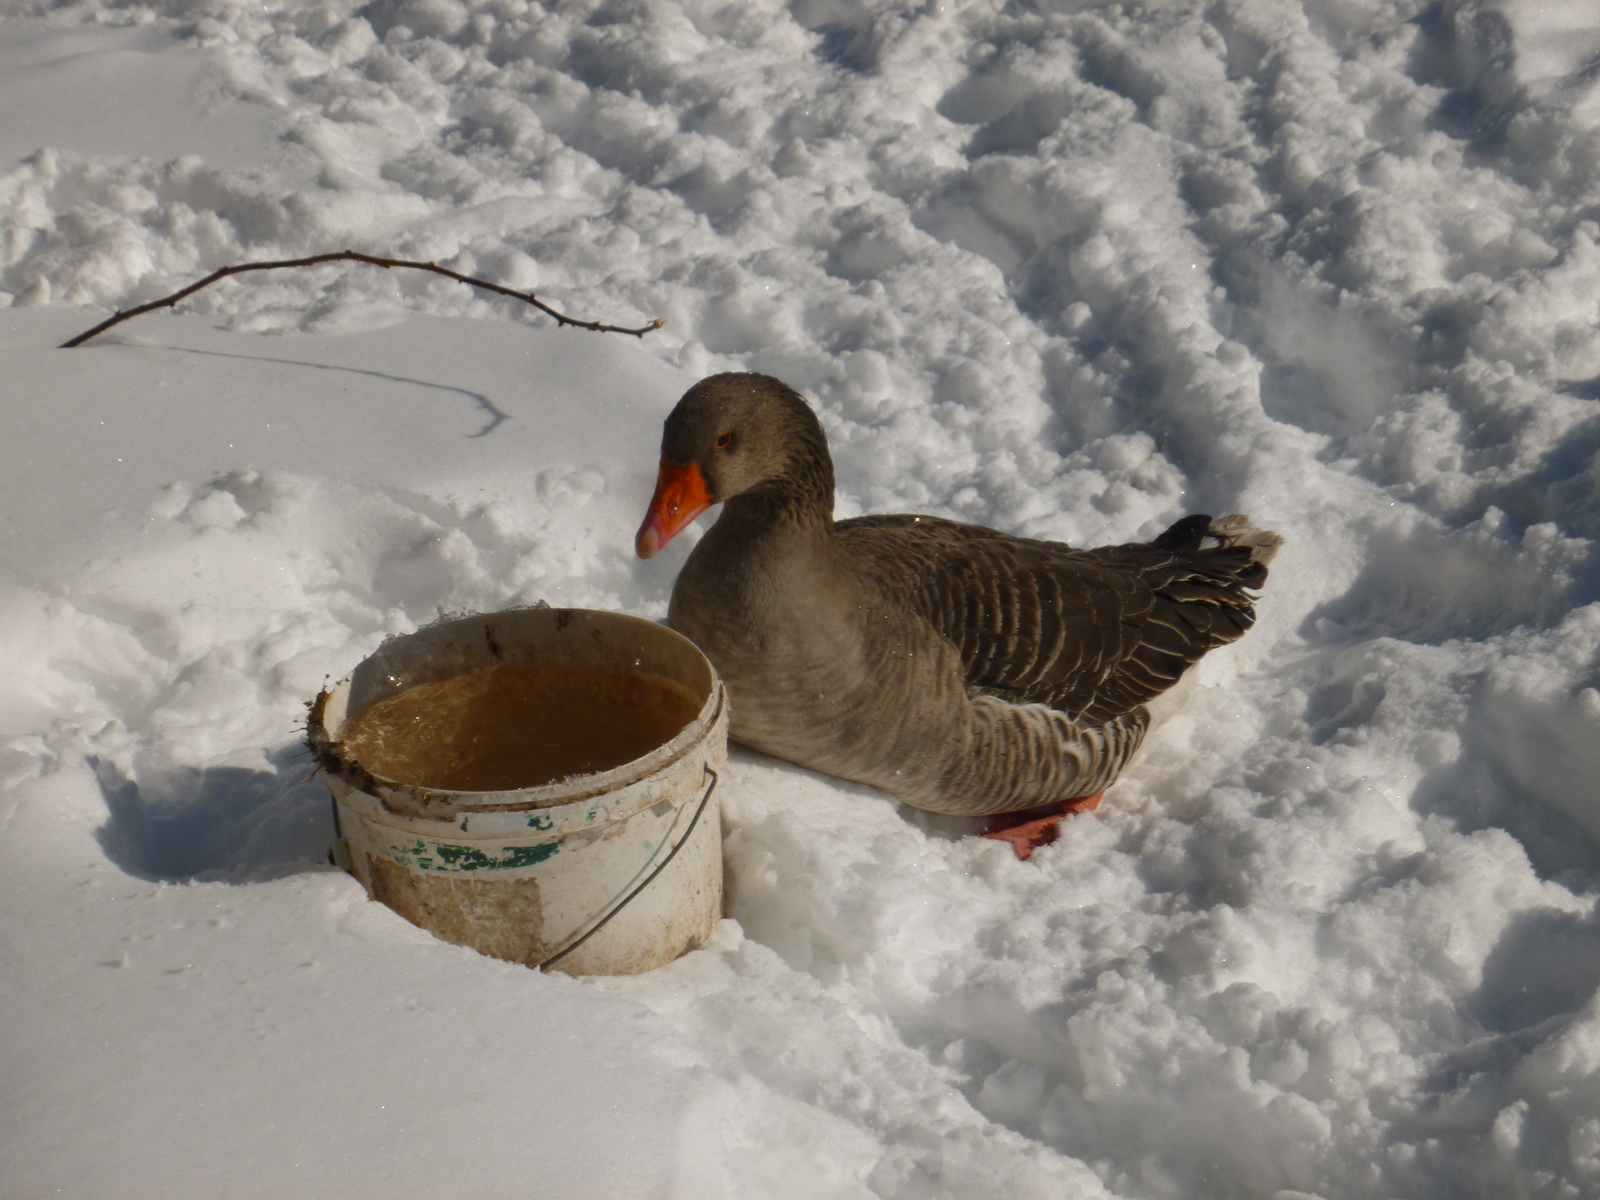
[517,725]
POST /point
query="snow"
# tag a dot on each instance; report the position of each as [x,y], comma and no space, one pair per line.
[1067,269]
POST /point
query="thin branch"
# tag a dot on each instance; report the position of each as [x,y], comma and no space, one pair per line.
[354,256]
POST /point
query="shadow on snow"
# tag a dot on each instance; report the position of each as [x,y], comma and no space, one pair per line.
[232,823]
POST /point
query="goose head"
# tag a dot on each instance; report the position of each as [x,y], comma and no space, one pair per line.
[739,436]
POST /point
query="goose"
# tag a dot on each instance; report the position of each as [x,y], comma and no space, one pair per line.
[963,670]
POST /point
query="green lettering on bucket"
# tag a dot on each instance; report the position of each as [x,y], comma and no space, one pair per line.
[540,821]
[470,858]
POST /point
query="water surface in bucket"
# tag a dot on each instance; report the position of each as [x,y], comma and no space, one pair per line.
[517,725]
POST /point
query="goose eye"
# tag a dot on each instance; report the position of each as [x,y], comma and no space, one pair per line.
[724,440]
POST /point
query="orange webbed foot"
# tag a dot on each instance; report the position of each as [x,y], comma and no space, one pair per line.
[1030,828]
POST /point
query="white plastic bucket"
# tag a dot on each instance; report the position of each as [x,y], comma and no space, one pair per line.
[610,873]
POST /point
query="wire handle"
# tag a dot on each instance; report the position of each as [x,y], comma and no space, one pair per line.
[648,880]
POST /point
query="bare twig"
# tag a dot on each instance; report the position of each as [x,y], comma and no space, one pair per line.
[355,256]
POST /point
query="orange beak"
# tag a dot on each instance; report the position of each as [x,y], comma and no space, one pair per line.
[681,496]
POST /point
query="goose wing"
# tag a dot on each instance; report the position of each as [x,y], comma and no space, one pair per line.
[1091,633]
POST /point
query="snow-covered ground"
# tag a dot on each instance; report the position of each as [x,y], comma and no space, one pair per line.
[1067,269]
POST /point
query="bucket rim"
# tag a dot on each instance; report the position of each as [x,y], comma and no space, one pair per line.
[450,804]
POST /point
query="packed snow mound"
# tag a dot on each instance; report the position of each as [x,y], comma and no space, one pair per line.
[1072,270]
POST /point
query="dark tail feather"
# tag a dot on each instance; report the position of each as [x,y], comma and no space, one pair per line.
[1184,534]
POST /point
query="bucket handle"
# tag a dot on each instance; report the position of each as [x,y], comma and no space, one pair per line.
[649,879]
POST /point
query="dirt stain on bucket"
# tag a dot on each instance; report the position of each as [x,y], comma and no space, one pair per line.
[517,725]
[503,919]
